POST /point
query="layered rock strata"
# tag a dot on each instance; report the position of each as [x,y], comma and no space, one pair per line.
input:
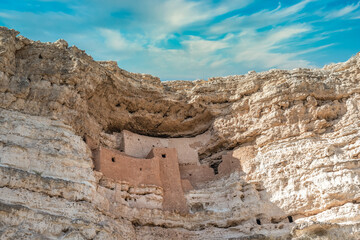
[295,134]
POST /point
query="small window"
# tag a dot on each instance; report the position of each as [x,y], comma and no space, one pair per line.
[163,155]
[140,169]
[258,221]
[113,159]
[190,174]
[290,219]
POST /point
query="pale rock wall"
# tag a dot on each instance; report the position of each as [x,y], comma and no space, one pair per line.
[299,130]
[47,186]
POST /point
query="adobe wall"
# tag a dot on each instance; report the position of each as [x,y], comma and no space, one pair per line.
[228,165]
[161,168]
[116,165]
[187,148]
[197,174]
[171,181]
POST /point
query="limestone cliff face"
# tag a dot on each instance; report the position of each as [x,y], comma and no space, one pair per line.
[296,134]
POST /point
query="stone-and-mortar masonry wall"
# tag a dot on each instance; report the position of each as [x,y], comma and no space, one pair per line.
[161,167]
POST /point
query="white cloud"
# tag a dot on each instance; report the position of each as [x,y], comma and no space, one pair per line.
[259,19]
[116,41]
[179,13]
[314,49]
[342,12]
[159,18]
[138,34]
[259,49]
[246,49]
[5,15]
[202,46]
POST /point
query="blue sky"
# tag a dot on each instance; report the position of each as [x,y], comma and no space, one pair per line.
[195,39]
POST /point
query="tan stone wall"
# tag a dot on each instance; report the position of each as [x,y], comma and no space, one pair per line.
[197,174]
[228,165]
[161,168]
[186,185]
[171,182]
[187,148]
[116,165]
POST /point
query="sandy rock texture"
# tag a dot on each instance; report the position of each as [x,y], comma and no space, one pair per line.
[295,133]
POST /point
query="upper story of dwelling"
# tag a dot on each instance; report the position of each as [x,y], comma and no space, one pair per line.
[139,146]
[187,148]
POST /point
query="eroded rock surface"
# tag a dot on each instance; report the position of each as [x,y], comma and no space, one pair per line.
[295,134]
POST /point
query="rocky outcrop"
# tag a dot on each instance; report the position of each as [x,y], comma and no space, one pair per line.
[295,133]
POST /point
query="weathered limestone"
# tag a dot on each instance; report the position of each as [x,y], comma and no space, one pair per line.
[294,135]
[47,185]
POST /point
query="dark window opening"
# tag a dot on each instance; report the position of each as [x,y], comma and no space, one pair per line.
[290,219]
[118,105]
[138,139]
[197,207]
[140,169]
[215,167]
[258,221]
[190,174]
[113,159]
[41,57]
[163,155]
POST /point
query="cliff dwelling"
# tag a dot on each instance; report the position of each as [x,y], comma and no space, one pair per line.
[169,164]
[91,151]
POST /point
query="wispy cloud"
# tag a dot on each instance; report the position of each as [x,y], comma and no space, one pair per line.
[5,15]
[118,42]
[261,48]
[259,19]
[188,39]
[342,11]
